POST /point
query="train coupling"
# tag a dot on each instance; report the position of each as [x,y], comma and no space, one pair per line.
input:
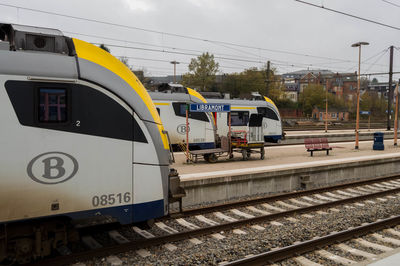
[176,192]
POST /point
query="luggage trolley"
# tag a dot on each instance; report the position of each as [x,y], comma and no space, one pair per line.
[251,141]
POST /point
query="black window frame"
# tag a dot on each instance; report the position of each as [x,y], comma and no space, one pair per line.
[244,112]
[269,113]
[24,97]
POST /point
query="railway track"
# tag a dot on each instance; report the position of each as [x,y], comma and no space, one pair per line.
[332,239]
[237,217]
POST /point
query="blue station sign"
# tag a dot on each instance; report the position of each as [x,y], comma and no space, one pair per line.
[210,107]
[365,112]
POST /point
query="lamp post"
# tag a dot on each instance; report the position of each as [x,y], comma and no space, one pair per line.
[174,63]
[359,44]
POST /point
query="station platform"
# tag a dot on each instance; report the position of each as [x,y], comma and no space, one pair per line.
[282,157]
[285,168]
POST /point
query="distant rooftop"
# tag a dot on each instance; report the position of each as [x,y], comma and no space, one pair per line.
[305,72]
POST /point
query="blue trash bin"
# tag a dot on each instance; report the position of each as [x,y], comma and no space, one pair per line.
[378,142]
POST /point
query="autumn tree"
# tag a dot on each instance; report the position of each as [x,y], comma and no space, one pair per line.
[370,101]
[202,71]
[312,96]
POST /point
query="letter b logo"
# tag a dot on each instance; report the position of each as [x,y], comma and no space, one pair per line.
[53,164]
[52,168]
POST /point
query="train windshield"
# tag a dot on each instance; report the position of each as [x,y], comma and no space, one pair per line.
[180,110]
[239,118]
[268,113]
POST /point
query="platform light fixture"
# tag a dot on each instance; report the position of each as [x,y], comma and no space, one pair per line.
[174,63]
[358,44]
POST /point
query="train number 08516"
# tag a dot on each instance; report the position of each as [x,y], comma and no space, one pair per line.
[111,199]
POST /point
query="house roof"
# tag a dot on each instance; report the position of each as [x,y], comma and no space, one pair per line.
[306,71]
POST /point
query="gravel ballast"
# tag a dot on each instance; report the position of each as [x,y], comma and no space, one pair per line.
[236,246]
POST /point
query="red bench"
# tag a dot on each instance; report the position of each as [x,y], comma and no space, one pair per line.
[317,144]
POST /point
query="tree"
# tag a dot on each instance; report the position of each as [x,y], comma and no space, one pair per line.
[202,72]
[252,80]
[105,48]
[370,101]
[312,96]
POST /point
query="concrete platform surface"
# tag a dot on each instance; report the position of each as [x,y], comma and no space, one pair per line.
[283,157]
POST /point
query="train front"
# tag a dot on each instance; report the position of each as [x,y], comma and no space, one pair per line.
[96,143]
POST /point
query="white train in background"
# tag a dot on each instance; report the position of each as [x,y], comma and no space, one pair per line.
[206,128]
[171,101]
[241,111]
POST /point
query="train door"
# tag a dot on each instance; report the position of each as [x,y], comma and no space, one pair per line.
[78,155]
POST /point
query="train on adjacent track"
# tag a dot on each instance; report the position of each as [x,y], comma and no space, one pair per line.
[205,129]
[80,139]
[171,101]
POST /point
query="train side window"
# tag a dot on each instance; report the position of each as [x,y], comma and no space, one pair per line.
[268,113]
[52,105]
[72,108]
[239,118]
[180,110]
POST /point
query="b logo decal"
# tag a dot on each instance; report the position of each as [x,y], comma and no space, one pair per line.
[52,168]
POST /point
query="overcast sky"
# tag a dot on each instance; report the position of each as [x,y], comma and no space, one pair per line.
[269,25]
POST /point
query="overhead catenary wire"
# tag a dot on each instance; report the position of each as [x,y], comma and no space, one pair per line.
[216,57]
[349,15]
[379,58]
[168,33]
[183,49]
[390,3]
[146,44]
[276,62]
[299,65]
[381,53]
[187,37]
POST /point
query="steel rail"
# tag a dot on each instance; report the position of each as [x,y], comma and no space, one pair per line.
[316,243]
[115,249]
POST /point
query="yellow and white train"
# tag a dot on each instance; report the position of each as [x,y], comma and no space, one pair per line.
[80,138]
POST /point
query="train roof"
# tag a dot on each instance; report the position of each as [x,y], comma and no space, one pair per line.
[189,96]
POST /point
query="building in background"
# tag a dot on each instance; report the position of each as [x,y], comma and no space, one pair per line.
[332,114]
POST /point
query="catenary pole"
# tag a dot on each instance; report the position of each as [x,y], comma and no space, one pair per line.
[390,92]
